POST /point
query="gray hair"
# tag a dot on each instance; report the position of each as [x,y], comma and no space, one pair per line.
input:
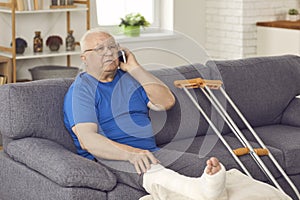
[91,31]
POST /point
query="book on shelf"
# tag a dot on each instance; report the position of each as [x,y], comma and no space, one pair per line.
[20,5]
[3,79]
[29,4]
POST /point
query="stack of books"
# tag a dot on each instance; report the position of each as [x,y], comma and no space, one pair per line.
[3,79]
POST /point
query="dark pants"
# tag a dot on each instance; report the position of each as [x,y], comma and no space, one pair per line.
[184,163]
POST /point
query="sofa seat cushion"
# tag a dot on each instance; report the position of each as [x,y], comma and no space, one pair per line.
[210,145]
[287,139]
[60,165]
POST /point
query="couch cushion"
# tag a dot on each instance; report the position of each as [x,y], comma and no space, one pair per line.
[35,109]
[210,145]
[261,87]
[60,165]
[18,182]
[285,138]
[183,120]
[291,115]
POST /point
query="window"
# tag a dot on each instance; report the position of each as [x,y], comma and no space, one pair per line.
[109,12]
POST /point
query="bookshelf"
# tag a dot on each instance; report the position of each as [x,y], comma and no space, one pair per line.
[10,8]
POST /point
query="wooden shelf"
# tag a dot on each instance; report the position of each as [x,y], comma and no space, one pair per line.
[10,52]
[281,24]
[77,9]
[45,54]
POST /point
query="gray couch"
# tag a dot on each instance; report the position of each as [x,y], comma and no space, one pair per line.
[39,159]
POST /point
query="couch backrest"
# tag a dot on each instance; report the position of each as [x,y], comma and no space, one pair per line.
[183,120]
[261,87]
[34,109]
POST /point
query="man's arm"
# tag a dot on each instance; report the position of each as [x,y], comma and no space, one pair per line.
[102,147]
[160,96]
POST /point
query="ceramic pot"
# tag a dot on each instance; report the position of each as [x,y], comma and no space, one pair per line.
[21,44]
[132,31]
[54,42]
[292,17]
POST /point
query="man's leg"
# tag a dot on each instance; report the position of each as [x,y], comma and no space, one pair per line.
[125,173]
[210,186]
[187,165]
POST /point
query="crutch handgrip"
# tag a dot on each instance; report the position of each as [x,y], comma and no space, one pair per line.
[261,152]
[189,83]
[245,150]
[198,82]
[241,151]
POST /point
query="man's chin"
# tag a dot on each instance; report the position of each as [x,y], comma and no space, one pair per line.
[110,66]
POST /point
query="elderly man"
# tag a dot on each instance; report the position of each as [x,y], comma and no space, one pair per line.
[106,113]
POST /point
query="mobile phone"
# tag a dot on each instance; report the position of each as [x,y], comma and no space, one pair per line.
[122,56]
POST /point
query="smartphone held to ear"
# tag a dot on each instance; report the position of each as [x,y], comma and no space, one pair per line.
[122,56]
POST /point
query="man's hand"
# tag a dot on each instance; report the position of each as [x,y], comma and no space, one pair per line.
[142,160]
[131,61]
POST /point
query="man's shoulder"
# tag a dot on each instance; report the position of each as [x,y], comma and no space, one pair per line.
[83,84]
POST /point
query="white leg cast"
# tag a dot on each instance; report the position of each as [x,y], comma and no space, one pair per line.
[206,187]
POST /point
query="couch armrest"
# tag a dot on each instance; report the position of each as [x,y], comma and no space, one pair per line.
[291,115]
[60,165]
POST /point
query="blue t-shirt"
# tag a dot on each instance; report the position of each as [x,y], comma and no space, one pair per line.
[118,107]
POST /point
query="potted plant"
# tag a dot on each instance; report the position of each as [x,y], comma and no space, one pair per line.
[293,14]
[132,22]
[54,42]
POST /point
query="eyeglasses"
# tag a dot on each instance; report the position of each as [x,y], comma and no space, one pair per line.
[101,50]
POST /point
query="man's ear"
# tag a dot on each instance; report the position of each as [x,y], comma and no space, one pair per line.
[83,58]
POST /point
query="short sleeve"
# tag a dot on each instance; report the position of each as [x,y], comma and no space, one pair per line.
[80,103]
[144,95]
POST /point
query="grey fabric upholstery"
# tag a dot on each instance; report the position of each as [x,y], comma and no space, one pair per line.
[27,108]
[41,163]
[286,138]
[262,88]
[209,145]
[183,120]
[291,115]
[19,182]
[60,165]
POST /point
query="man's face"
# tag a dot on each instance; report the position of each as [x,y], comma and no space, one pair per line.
[101,53]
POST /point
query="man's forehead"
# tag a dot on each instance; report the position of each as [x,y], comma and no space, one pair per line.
[100,38]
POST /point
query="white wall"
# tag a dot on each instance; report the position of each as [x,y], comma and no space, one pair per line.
[188,22]
[231,24]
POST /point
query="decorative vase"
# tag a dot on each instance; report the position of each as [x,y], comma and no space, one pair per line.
[132,31]
[70,41]
[21,44]
[70,2]
[54,42]
[54,2]
[37,42]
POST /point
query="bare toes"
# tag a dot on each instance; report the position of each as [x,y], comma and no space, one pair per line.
[213,166]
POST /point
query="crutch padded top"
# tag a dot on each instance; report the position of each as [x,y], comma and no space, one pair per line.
[198,82]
